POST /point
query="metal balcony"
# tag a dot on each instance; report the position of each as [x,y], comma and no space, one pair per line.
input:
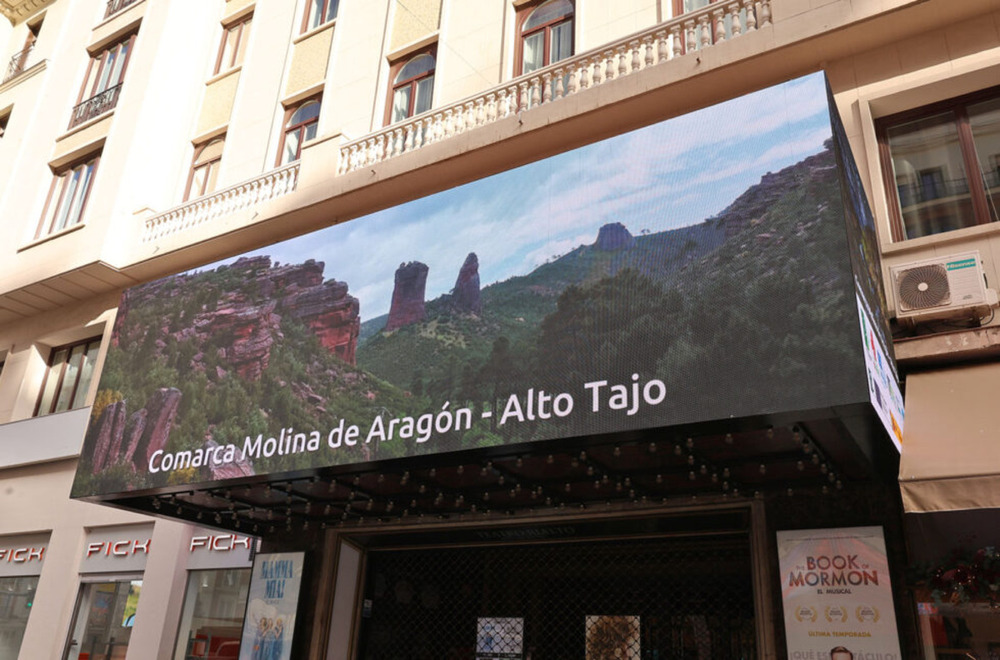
[115,6]
[18,63]
[96,105]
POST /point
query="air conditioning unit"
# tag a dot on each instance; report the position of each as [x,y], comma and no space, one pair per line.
[943,287]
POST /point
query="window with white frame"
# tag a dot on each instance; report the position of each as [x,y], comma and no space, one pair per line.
[412,86]
[102,84]
[319,12]
[68,197]
[545,34]
[233,48]
[205,168]
[67,378]
[301,124]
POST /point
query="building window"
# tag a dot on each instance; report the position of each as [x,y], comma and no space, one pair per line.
[301,123]
[4,118]
[68,377]
[205,168]
[685,6]
[102,85]
[234,44]
[68,197]
[17,595]
[941,165]
[546,34]
[412,86]
[212,621]
[319,12]
[19,62]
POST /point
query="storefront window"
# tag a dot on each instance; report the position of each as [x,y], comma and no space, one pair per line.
[213,614]
[17,595]
[959,630]
[105,614]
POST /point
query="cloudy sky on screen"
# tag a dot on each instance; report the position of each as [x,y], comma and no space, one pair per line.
[675,173]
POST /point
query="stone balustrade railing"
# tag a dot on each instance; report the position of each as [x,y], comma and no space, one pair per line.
[247,194]
[689,33]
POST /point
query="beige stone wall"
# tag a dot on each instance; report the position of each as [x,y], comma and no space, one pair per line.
[309,59]
[81,139]
[236,6]
[251,138]
[217,107]
[603,22]
[473,58]
[357,79]
[415,19]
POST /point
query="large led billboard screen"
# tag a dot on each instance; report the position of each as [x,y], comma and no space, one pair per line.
[697,269]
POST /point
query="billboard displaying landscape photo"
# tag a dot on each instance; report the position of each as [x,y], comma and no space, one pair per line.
[693,270]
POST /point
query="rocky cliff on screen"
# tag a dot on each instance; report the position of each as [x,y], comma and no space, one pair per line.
[408,296]
[466,296]
[246,311]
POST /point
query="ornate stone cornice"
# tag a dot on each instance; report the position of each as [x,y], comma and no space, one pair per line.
[17,10]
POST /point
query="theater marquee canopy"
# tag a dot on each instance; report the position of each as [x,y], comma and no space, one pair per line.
[717,266]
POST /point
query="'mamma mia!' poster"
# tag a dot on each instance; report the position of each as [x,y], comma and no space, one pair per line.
[269,624]
[837,595]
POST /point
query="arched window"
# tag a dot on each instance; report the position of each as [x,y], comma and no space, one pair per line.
[546,35]
[412,87]
[300,125]
[205,168]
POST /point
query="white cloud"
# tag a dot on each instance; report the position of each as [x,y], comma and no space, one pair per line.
[661,176]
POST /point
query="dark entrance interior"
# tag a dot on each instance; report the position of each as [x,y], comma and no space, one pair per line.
[681,594]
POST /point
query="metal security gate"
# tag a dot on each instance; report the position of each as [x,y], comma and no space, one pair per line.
[622,599]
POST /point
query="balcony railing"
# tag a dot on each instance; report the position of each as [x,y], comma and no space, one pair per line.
[689,33]
[115,6]
[247,194]
[696,30]
[96,105]
[18,63]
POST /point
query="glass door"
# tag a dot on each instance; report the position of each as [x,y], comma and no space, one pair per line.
[102,623]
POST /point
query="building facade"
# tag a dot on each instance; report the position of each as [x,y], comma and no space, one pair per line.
[143,139]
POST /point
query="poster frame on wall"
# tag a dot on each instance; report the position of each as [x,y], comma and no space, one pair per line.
[836,593]
[272,606]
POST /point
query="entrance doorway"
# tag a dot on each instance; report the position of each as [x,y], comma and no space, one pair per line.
[665,597]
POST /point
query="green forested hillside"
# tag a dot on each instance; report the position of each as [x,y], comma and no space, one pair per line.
[767,276]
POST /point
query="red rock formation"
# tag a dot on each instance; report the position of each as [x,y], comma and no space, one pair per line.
[243,320]
[466,295]
[331,315]
[252,329]
[408,296]
[109,430]
[251,264]
[303,276]
[160,411]
[133,432]
[614,236]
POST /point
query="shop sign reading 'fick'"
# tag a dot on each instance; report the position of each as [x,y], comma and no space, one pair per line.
[23,555]
[549,301]
[219,542]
